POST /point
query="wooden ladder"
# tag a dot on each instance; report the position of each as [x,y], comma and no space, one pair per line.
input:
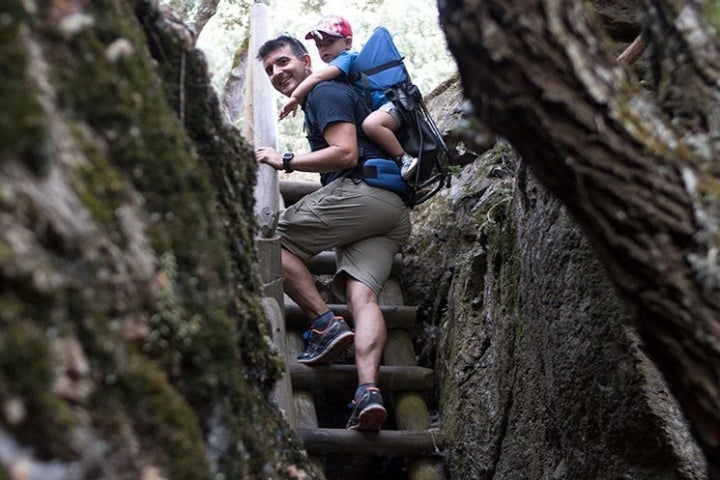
[401,381]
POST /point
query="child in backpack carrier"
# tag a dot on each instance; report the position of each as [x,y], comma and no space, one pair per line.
[333,38]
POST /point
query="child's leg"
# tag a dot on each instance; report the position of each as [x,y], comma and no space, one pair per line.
[380,127]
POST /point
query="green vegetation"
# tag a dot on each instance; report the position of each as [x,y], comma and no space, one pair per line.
[26,378]
[414,25]
[22,125]
[712,10]
[141,396]
[134,142]
[101,189]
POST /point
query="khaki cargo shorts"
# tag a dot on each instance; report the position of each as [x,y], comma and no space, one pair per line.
[365,225]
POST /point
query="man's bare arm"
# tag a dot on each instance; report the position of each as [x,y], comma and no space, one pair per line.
[301,91]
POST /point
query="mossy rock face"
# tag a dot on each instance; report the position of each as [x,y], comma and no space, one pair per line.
[22,122]
[34,414]
[131,335]
[539,372]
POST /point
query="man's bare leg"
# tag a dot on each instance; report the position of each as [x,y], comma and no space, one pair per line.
[299,284]
[370,336]
[370,332]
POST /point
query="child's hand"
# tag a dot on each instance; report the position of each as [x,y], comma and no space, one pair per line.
[288,108]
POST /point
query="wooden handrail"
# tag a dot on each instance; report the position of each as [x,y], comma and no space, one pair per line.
[264,122]
[294,190]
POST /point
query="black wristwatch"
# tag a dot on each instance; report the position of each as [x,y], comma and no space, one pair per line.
[286,158]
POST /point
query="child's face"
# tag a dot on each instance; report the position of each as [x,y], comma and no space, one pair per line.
[331,47]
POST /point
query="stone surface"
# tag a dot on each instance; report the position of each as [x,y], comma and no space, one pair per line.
[540,373]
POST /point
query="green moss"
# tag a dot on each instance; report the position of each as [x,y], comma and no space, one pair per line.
[146,143]
[502,240]
[494,210]
[491,213]
[206,351]
[495,219]
[22,125]
[230,163]
[6,253]
[148,149]
[90,323]
[164,423]
[173,331]
[18,297]
[26,375]
[25,360]
[712,12]
[12,308]
[102,189]
[259,432]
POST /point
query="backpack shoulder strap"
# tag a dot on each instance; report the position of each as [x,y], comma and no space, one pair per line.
[355,76]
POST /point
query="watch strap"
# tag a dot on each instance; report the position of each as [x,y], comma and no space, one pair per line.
[286,158]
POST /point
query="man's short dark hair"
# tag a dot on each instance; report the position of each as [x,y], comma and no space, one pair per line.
[298,49]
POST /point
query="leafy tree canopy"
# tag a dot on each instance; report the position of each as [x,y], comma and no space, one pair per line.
[413,23]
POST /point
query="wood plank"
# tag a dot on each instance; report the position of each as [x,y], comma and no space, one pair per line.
[270,272]
[305,412]
[411,412]
[282,392]
[306,415]
[396,316]
[410,408]
[335,441]
[264,122]
[392,378]
[293,190]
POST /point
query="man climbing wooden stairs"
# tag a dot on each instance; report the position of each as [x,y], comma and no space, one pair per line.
[300,390]
[403,383]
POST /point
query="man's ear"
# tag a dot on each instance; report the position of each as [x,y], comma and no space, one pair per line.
[307,60]
[348,43]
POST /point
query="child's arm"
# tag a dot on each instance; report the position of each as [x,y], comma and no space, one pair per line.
[327,73]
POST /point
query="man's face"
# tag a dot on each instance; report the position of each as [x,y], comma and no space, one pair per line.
[285,70]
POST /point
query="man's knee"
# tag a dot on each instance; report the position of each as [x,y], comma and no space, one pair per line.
[359,295]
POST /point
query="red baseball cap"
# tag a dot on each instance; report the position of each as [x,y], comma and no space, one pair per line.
[332,25]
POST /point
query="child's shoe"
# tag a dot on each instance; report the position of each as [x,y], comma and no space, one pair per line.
[408,165]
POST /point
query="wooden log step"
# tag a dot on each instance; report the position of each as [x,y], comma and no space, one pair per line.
[386,443]
[391,379]
[396,316]
[324,264]
[293,190]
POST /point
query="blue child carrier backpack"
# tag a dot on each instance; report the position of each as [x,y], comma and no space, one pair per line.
[380,75]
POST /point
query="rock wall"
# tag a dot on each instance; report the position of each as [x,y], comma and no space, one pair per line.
[132,343]
[540,374]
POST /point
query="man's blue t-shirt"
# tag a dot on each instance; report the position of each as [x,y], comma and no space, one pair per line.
[331,102]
